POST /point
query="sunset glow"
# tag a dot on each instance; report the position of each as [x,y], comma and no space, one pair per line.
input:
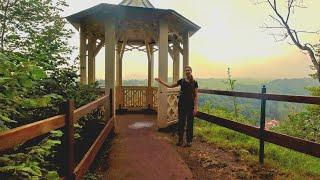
[229,37]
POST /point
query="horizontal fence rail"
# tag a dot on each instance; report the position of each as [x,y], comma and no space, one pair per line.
[297,144]
[88,158]
[242,128]
[27,132]
[84,110]
[273,97]
[19,135]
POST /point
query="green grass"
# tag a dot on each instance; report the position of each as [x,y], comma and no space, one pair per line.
[298,165]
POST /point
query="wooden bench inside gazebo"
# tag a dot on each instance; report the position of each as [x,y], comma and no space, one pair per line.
[134,25]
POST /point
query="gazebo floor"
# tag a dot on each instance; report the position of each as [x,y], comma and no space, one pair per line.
[139,151]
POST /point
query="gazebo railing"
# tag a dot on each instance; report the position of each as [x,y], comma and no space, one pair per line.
[172,109]
[154,99]
[136,97]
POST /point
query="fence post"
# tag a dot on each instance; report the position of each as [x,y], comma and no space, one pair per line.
[262,125]
[69,138]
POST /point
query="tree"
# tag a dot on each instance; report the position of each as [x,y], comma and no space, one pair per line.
[35,29]
[34,55]
[287,31]
[306,124]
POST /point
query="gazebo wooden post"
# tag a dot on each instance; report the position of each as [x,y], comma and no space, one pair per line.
[91,60]
[176,62]
[163,72]
[82,53]
[122,50]
[185,50]
[151,75]
[110,47]
[152,64]
[118,63]
[118,74]
[149,48]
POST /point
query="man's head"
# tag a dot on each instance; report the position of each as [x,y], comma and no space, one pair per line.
[188,71]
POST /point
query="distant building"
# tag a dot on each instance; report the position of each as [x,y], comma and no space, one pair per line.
[271,123]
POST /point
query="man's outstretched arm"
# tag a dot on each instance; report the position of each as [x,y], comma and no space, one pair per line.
[167,85]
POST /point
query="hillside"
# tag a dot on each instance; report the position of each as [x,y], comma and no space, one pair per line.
[281,86]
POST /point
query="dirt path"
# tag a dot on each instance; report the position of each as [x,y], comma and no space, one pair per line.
[207,161]
[140,152]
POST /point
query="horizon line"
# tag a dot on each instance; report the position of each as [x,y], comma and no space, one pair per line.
[232,78]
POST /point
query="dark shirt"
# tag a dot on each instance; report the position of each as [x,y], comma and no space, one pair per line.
[187,90]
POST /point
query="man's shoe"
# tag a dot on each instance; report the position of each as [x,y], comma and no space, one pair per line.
[189,144]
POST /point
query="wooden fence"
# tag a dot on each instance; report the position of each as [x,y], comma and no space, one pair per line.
[297,144]
[16,136]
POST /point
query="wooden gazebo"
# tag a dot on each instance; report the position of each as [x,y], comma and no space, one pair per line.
[134,24]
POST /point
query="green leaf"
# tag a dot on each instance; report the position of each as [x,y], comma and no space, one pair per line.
[52,175]
[77,125]
[32,171]
[37,73]
[25,82]
[5,160]
[7,119]
[29,103]
[43,101]
[57,133]
[76,135]
[4,79]
[54,96]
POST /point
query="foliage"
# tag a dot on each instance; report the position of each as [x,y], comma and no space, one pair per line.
[221,112]
[36,29]
[34,52]
[18,76]
[35,79]
[33,163]
[305,124]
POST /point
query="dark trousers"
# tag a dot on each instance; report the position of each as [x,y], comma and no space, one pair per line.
[185,111]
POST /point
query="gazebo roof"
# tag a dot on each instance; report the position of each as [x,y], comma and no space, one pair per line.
[137,3]
[135,17]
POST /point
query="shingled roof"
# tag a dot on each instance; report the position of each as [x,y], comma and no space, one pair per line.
[137,3]
[135,18]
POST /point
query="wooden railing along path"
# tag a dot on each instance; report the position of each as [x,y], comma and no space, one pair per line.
[297,144]
[16,136]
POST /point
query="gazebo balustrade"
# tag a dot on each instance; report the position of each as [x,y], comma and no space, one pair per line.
[136,98]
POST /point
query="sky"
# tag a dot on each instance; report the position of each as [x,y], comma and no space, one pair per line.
[230,36]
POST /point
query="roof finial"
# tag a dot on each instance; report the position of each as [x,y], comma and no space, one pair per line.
[137,3]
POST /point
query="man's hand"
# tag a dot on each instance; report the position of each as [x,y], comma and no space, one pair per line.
[157,79]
